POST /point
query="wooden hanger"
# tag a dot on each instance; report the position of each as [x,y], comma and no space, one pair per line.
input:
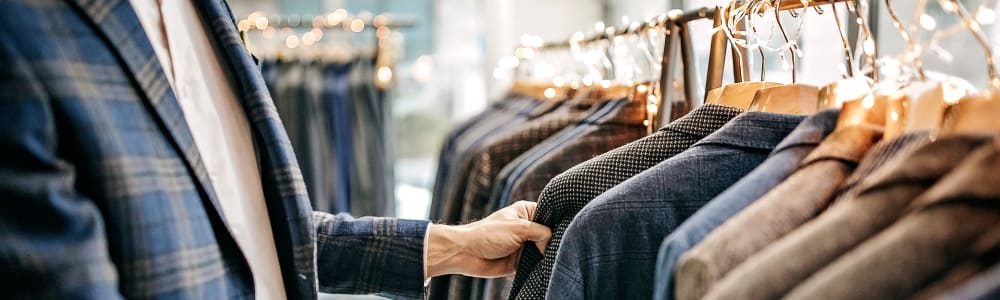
[541,90]
[795,98]
[868,111]
[741,95]
[852,88]
[972,115]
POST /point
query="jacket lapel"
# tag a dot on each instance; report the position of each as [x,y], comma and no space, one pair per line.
[285,191]
[118,22]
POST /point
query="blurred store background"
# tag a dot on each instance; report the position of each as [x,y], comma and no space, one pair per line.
[431,64]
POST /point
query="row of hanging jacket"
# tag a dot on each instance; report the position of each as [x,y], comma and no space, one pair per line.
[337,121]
[870,187]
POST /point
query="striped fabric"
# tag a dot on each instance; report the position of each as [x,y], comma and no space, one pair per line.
[107,196]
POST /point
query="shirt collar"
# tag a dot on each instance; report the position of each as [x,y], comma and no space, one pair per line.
[758,130]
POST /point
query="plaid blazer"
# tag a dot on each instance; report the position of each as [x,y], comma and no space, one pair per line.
[105,195]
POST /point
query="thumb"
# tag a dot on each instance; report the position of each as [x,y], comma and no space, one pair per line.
[538,233]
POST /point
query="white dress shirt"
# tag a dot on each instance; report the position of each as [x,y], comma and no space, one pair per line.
[220,130]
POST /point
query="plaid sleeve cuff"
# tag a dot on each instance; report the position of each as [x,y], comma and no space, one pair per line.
[370,255]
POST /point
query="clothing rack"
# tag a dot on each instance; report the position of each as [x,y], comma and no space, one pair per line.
[675,24]
[306,21]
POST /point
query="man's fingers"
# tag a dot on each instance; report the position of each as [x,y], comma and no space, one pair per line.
[538,233]
[526,209]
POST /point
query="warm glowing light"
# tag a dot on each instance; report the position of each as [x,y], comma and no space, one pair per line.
[318,21]
[645,122]
[550,92]
[619,39]
[341,12]
[577,36]
[985,15]
[927,22]
[651,108]
[318,33]
[292,41]
[894,116]
[383,32]
[384,74]
[252,17]
[509,62]
[868,102]
[357,25]
[642,88]
[308,39]
[380,20]
[599,26]
[952,93]
[948,6]
[499,74]
[587,80]
[528,40]
[605,83]
[526,53]
[625,20]
[869,45]
[333,19]
[674,13]
[558,81]
[423,68]
[261,23]
[652,99]
[243,25]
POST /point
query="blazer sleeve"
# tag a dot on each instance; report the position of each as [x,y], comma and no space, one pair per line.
[370,255]
[52,240]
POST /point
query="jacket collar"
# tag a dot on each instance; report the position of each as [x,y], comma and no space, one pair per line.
[117,20]
[756,130]
[285,191]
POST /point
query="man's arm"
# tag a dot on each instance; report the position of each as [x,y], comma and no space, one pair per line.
[383,255]
[52,243]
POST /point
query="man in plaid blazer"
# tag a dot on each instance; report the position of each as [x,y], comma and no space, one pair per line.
[104,193]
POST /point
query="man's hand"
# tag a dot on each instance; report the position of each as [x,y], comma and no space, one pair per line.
[487,248]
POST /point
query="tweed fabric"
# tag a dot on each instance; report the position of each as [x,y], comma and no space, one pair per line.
[784,264]
[493,157]
[877,157]
[568,192]
[598,261]
[781,163]
[940,229]
[984,254]
[619,128]
[985,286]
[108,195]
[785,207]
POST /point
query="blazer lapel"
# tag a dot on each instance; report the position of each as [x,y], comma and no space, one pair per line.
[118,22]
[287,200]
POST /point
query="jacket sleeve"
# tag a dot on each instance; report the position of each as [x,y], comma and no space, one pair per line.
[370,255]
[52,238]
